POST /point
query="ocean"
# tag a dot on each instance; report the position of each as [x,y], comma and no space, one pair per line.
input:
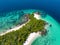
[50,7]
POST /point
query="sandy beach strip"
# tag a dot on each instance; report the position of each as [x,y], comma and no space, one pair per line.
[14,29]
[31,38]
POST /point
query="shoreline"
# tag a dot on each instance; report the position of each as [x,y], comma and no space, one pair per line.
[14,29]
[31,38]
[34,35]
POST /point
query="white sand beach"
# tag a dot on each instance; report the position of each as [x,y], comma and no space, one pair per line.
[31,38]
[14,29]
[37,16]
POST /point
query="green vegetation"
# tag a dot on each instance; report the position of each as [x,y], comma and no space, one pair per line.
[19,37]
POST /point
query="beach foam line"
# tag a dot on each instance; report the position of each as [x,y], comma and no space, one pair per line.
[47,26]
[37,16]
[31,38]
[14,29]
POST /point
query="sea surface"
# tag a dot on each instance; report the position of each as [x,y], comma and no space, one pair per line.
[51,7]
[11,15]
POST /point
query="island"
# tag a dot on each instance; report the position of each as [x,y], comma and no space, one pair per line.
[18,36]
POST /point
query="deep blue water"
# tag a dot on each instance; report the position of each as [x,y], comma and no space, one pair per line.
[51,7]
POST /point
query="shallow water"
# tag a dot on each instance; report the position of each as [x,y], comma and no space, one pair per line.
[10,20]
[52,38]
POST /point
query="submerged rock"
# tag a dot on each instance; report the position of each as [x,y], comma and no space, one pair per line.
[50,25]
[44,32]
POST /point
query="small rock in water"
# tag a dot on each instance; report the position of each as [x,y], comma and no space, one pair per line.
[50,25]
[44,32]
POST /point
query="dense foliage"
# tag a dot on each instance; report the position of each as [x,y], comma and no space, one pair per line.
[19,37]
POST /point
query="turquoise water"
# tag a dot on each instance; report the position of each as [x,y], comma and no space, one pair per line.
[12,19]
[53,36]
